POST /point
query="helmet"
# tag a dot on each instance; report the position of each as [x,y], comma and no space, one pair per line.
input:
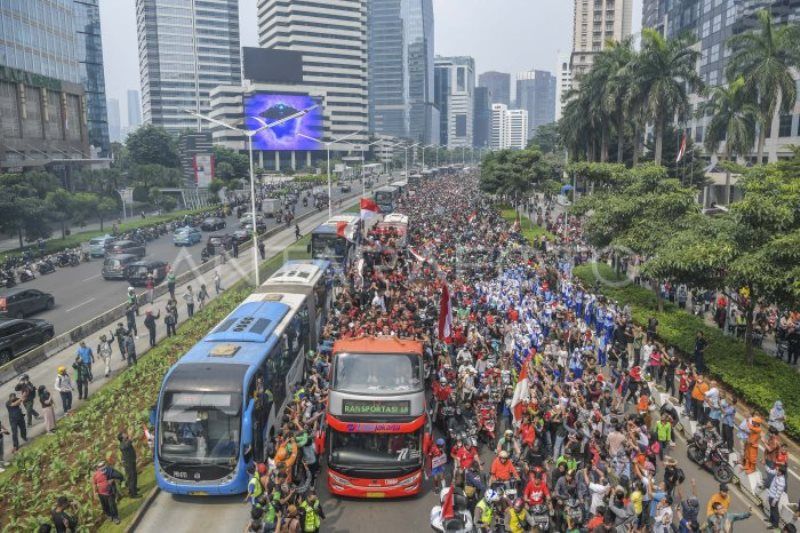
[443,380]
[61,369]
[440,442]
[503,454]
[518,503]
[491,495]
[509,433]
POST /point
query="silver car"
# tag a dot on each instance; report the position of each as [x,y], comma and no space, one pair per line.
[99,245]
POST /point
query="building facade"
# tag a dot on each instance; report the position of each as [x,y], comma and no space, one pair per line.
[498,132]
[400,36]
[134,110]
[536,93]
[186,48]
[114,121]
[595,23]
[509,129]
[455,91]
[482,121]
[332,38]
[60,39]
[713,23]
[499,85]
[563,84]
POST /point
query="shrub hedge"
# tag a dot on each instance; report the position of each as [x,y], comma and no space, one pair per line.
[759,384]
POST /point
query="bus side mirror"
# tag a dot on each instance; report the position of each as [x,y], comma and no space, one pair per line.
[153,416]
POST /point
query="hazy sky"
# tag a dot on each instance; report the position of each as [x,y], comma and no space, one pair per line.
[504,35]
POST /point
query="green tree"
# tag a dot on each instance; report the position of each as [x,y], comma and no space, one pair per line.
[106,207]
[665,71]
[764,57]
[239,163]
[547,139]
[225,171]
[61,206]
[733,120]
[22,206]
[613,62]
[152,145]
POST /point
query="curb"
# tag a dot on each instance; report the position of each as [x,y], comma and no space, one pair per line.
[140,512]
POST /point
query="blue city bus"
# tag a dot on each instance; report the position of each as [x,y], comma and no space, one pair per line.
[328,243]
[386,197]
[219,404]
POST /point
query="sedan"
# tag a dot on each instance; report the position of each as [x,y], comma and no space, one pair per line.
[20,302]
[241,235]
[186,236]
[127,247]
[18,336]
[212,224]
[261,226]
[99,245]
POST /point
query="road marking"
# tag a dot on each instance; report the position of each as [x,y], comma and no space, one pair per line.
[79,305]
[93,277]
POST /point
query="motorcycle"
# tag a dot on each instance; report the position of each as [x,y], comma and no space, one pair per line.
[7,279]
[45,266]
[715,460]
[460,523]
[538,518]
[26,274]
[573,513]
[487,422]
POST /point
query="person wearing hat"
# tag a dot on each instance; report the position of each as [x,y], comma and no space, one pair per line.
[438,460]
[105,488]
[63,385]
[750,455]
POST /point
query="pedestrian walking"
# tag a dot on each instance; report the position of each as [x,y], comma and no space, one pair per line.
[133,301]
[235,248]
[128,453]
[150,286]
[202,296]
[150,324]
[171,282]
[81,378]
[188,297]
[262,250]
[130,316]
[130,349]
[121,332]
[48,408]
[64,387]
[105,488]
[297,233]
[169,322]
[27,393]
[218,282]
[87,358]
[105,351]
[16,420]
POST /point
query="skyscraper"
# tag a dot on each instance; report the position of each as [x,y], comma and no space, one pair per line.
[114,125]
[509,128]
[60,39]
[455,88]
[186,48]
[332,38]
[536,93]
[482,121]
[400,37]
[499,85]
[134,110]
[596,23]
[499,128]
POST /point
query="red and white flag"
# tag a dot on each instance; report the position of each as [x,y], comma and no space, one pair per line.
[416,256]
[445,315]
[448,504]
[472,217]
[522,392]
[682,149]
[369,209]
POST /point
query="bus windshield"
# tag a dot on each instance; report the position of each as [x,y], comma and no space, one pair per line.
[200,427]
[376,449]
[384,197]
[377,373]
[328,246]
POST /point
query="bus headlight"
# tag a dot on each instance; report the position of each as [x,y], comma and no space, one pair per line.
[410,481]
[339,479]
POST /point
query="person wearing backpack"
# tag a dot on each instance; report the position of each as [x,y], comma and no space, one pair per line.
[105,488]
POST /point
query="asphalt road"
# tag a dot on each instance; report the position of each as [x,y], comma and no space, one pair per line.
[81,293]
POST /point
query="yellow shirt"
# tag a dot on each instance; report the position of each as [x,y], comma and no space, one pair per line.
[717,497]
[636,500]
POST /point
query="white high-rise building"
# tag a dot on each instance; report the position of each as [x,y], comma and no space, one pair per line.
[332,37]
[454,93]
[509,128]
[186,48]
[563,83]
[595,23]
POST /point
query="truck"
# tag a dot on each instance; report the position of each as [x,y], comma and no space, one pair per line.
[270,207]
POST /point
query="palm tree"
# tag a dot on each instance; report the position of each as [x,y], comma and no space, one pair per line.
[665,73]
[733,120]
[613,61]
[764,57]
[575,127]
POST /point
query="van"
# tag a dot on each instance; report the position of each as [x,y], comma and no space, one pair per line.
[114,266]
[99,245]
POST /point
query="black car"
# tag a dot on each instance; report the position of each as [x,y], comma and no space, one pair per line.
[247,224]
[114,266]
[18,336]
[136,273]
[345,187]
[127,247]
[212,224]
[20,302]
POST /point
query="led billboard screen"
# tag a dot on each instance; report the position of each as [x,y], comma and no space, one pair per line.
[290,135]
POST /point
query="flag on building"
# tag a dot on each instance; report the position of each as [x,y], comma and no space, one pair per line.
[369,209]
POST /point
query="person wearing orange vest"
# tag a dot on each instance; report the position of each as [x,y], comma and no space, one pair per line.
[698,399]
[750,455]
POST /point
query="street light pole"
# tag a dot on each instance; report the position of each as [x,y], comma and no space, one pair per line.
[250,134]
[328,148]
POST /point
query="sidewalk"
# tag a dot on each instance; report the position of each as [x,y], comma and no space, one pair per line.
[230,272]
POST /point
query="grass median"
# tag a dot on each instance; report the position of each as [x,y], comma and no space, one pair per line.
[62,463]
[529,230]
[760,384]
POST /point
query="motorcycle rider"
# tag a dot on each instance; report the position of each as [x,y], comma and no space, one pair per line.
[708,439]
[516,517]
[442,392]
[484,511]
[509,443]
[536,491]
[502,470]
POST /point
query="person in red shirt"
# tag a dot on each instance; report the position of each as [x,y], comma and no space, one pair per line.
[527,433]
[536,491]
[464,456]
[502,469]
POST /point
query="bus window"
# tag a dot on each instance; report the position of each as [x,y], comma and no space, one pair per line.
[277,376]
[262,397]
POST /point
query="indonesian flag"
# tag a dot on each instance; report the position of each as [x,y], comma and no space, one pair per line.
[416,256]
[472,217]
[369,209]
[448,504]
[341,228]
[445,315]
[682,149]
[522,392]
